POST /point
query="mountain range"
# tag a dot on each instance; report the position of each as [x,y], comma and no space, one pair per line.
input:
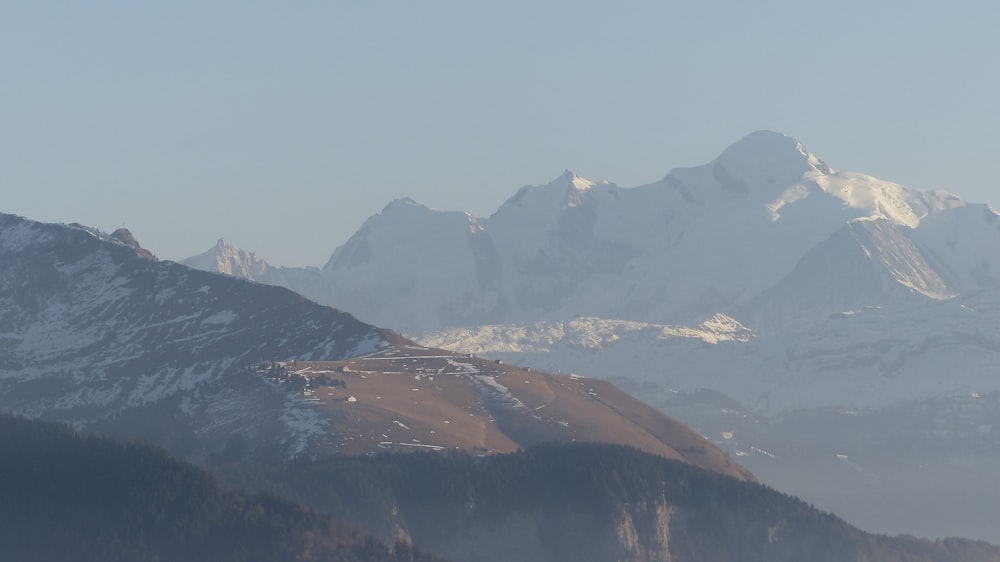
[97,333]
[728,237]
[100,335]
[765,285]
[832,332]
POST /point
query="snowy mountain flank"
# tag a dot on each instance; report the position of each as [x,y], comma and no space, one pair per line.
[95,332]
[744,296]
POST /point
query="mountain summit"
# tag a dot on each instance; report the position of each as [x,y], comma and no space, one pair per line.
[226,258]
[767,155]
[575,246]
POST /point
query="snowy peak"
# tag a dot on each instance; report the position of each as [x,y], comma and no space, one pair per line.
[544,202]
[573,246]
[404,212]
[764,153]
[758,167]
[230,260]
[403,223]
[569,180]
[405,208]
[576,188]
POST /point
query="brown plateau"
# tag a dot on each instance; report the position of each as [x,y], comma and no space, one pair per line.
[407,397]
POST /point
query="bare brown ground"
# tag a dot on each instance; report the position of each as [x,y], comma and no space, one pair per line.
[406,397]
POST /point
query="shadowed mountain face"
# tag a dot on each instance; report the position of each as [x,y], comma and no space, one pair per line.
[585,502]
[98,334]
[67,497]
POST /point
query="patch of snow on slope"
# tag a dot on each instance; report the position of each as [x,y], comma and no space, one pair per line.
[22,235]
[580,333]
[156,386]
[499,391]
[466,368]
[303,423]
[370,344]
[89,397]
[794,193]
[222,317]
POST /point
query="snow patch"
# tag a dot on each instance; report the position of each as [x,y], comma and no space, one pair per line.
[222,317]
[303,424]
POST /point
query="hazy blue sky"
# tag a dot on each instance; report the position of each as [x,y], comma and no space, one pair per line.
[283,125]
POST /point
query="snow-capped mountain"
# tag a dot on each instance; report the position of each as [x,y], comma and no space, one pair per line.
[767,235]
[226,258]
[765,278]
[708,239]
[444,264]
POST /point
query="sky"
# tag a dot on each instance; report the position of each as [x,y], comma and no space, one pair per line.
[282,126]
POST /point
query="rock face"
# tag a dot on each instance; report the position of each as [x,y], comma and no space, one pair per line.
[224,258]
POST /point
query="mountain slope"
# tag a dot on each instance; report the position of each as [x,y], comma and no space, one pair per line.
[95,334]
[67,497]
[443,263]
[586,502]
[98,334]
[412,398]
[868,262]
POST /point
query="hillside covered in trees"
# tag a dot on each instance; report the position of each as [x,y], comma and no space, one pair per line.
[70,498]
[64,497]
[584,502]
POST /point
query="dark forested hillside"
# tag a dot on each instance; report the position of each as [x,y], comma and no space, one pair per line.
[585,502]
[68,498]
